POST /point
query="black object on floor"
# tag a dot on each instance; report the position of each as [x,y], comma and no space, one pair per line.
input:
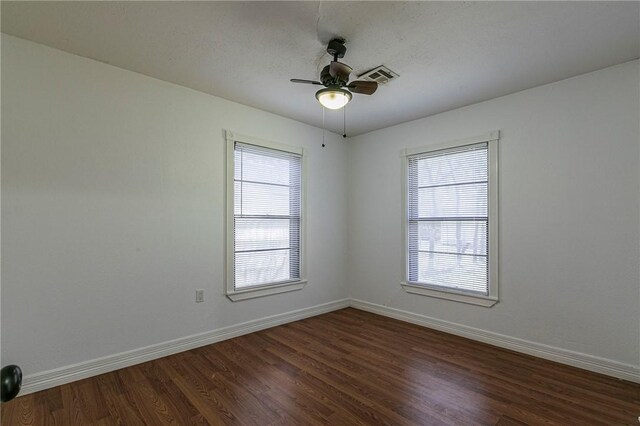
[10,381]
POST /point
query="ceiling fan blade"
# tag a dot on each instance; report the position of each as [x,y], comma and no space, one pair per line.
[340,70]
[297,80]
[363,87]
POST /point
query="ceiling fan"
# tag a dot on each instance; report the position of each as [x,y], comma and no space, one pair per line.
[335,78]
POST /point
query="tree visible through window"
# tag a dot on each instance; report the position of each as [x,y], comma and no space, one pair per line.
[266,216]
[449,219]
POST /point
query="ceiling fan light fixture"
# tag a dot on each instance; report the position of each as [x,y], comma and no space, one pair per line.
[333,97]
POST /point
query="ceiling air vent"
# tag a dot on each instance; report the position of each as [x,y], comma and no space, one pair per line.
[381,74]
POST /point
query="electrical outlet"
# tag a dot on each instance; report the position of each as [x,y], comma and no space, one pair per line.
[199,296]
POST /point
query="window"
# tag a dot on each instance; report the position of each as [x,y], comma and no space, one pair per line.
[265,221]
[450,227]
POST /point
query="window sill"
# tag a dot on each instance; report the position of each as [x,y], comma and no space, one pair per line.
[252,293]
[486,301]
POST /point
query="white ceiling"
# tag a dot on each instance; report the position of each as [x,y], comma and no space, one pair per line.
[448,54]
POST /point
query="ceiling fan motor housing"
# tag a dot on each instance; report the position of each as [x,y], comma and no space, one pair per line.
[328,80]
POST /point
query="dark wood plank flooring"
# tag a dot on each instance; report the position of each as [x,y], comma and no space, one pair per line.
[347,367]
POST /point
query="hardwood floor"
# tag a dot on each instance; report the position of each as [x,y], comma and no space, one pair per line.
[347,367]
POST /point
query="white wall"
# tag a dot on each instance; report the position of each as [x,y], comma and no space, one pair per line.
[113,209]
[569,218]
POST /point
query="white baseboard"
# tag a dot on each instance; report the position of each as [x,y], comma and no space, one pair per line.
[82,370]
[576,359]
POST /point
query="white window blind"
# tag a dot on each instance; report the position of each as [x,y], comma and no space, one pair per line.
[448,219]
[267,213]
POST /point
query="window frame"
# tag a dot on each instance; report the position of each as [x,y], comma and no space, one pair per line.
[492,297]
[269,288]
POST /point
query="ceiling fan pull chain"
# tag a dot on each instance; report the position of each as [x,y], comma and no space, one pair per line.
[344,122]
[322,126]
